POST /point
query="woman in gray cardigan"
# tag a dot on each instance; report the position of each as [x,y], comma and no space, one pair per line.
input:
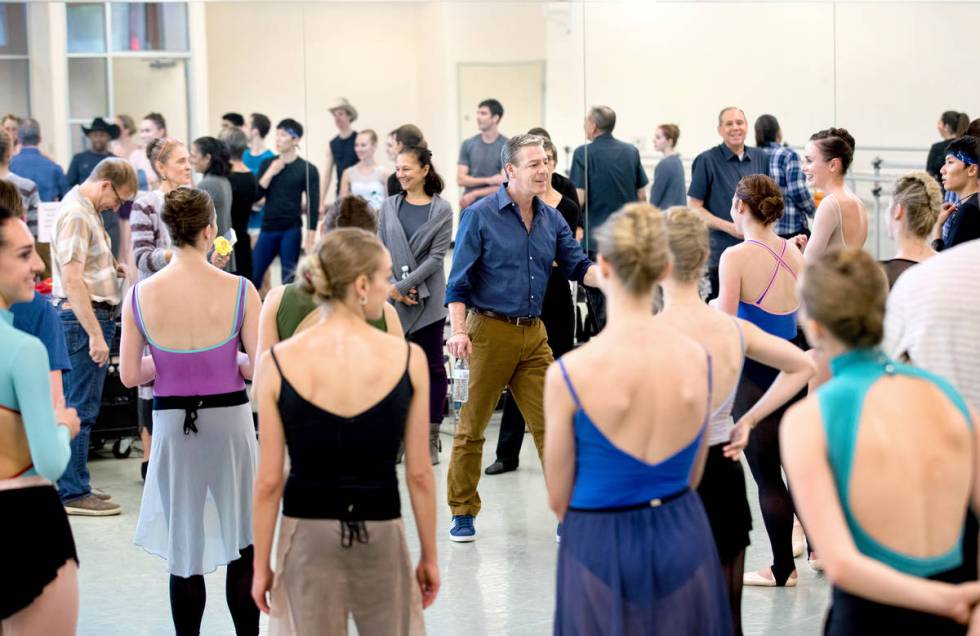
[210,157]
[416,226]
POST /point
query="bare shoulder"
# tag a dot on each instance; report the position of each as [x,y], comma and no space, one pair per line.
[803,413]
[274,297]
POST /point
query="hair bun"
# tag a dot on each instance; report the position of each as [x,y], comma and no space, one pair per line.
[843,135]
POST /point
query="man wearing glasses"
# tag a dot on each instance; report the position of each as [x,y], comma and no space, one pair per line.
[87,289]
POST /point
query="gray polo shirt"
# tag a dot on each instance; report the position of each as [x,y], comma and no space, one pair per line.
[610,172]
[714,176]
[482,159]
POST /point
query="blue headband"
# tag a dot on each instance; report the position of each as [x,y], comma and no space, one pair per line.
[292,133]
[962,156]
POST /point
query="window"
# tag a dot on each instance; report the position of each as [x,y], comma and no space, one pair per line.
[14,64]
[127,57]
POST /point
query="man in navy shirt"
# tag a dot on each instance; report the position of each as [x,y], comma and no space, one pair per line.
[99,136]
[31,164]
[607,174]
[714,175]
[40,319]
[505,248]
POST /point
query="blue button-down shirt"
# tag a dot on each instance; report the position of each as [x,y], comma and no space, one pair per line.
[786,170]
[499,266]
[46,174]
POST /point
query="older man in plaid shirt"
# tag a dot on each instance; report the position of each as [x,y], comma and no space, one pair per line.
[86,284]
[785,170]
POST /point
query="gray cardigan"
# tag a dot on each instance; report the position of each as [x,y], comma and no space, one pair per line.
[424,255]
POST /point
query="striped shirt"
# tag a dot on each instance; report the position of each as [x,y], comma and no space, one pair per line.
[79,236]
[29,196]
[932,316]
[150,235]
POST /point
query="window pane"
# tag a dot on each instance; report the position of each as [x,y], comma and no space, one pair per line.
[87,94]
[13,28]
[141,86]
[86,28]
[149,26]
[16,83]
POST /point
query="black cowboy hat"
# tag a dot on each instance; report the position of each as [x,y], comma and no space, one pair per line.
[101,125]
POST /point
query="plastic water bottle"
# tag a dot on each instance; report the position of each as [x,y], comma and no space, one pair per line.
[461,381]
[412,294]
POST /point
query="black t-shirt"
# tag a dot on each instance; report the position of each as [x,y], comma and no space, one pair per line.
[284,196]
[243,187]
[564,185]
[571,212]
[966,225]
[343,154]
[394,186]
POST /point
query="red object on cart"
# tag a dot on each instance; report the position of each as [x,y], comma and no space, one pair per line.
[44,287]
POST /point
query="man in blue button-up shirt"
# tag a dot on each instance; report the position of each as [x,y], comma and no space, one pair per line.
[506,246]
[31,164]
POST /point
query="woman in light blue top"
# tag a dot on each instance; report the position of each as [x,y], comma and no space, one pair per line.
[39,587]
[883,464]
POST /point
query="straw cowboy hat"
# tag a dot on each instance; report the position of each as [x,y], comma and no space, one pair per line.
[342,102]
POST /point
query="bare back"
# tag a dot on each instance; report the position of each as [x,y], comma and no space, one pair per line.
[646,392]
[343,366]
[189,307]
[15,452]
[768,270]
[719,335]
[913,467]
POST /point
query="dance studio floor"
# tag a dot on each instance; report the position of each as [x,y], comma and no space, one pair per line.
[501,584]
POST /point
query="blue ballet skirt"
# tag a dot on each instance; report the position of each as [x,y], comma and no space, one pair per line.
[650,570]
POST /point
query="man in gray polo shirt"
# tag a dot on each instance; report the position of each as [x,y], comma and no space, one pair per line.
[714,175]
[480,170]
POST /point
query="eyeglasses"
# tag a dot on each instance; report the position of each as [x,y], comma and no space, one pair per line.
[119,198]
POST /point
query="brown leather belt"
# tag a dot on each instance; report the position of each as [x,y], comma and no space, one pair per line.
[520,321]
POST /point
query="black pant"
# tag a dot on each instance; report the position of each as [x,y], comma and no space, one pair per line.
[596,300]
[558,315]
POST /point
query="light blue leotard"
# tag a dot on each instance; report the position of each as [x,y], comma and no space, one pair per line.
[25,389]
[841,401]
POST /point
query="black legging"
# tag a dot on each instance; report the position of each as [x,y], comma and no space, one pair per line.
[733,572]
[188,595]
[766,465]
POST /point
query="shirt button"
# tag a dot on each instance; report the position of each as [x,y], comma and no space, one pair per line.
[532,258]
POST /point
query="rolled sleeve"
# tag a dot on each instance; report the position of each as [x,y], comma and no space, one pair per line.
[466,254]
[796,186]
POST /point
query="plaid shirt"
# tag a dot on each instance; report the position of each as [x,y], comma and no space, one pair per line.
[786,170]
[80,236]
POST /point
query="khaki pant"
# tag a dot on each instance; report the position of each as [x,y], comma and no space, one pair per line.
[503,355]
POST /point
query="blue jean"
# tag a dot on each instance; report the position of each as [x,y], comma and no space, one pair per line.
[282,243]
[83,392]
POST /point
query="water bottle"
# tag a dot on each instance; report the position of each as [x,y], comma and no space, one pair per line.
[412,293]
[461,381]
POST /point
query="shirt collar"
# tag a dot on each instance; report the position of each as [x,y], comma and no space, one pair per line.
[504,201]
[81,200]
[7,316]
[727,153]
[773,144]
[34,150]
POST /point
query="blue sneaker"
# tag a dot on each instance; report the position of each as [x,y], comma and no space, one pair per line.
[462,530]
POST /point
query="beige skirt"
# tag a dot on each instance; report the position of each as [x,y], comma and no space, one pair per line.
[319,584]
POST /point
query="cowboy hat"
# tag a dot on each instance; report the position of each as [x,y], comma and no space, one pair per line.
[101,125]
[342,103]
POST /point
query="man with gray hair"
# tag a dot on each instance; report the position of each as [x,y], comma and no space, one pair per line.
[32,164]
[505,248]
[87,288]
[607,174]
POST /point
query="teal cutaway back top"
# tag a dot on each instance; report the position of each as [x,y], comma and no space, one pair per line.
[25,389]
[841,402]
